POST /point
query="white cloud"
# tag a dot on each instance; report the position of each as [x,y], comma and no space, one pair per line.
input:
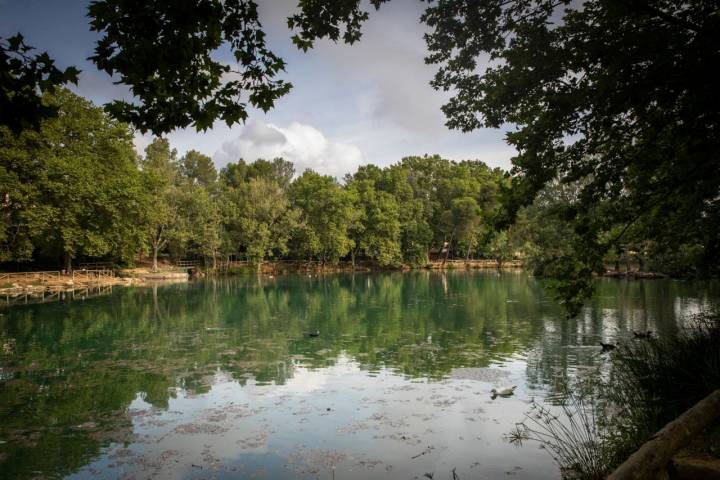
[304,145]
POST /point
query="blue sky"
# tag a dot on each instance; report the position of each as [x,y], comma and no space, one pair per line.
[350,105]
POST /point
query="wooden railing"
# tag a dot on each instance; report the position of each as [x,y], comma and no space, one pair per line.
[236,263]
[97,274]
[30,276]
[96,266]
[188,263]
[483,261]
[49,275]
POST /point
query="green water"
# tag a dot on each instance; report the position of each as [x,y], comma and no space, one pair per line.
[219,379]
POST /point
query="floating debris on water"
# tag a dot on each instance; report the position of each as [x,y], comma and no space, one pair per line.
[480,374]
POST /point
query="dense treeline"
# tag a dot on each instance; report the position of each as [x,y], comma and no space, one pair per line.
[76,190]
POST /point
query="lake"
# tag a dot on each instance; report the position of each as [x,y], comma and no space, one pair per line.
[221,379]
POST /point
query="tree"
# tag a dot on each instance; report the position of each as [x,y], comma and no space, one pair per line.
[164,51]
[260,219]
[202,215]
[642,114]
[198,168]
[17,193]
[375,229]
[326,213]
[466,219]
[547,242]
[542,232]
[500,248]
[73,188]
[24,79]
[415,232]
[279,171]
[164,221]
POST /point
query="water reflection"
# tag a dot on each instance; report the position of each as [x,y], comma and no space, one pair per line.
[220,377]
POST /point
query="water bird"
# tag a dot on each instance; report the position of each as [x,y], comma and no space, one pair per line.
[503,391]
[643,335]
[314,334]
[607,347]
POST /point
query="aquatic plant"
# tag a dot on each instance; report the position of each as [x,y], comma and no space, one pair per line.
[573,434]
[669,375]
[656,379]
[650,381]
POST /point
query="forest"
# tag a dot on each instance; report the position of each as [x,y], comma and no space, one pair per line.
[76,190]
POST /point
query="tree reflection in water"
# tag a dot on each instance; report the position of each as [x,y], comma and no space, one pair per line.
[69,372]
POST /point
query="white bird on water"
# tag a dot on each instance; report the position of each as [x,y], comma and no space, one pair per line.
[503,391]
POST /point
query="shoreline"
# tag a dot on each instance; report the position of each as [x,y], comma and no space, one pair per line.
[39,285]
[283,267]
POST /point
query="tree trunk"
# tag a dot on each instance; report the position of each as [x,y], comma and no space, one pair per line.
[155,255]
[447,252]
[467,256]
[156,306]
[68,262]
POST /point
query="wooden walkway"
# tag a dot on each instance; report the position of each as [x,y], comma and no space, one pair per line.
[55,275]
[54,295]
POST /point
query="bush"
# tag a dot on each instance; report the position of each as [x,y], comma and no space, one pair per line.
[578,440]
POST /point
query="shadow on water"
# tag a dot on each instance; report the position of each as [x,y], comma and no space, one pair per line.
[88,387]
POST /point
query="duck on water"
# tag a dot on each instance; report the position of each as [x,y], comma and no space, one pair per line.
[502,391]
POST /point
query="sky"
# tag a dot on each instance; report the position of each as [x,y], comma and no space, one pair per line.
[351,104]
